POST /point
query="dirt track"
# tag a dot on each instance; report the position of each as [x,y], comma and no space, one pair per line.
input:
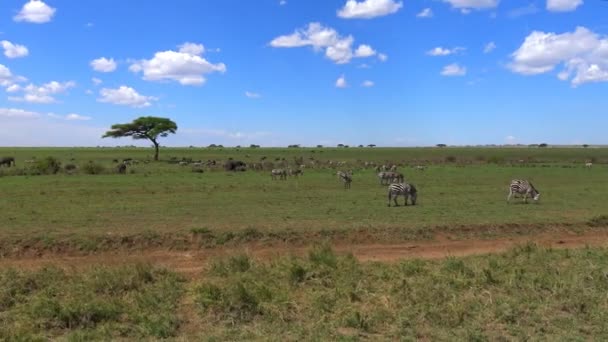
[192,262]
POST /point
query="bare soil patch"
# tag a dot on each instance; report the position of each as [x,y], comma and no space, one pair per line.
[192,262]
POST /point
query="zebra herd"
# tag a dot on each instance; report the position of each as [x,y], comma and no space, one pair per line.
[398,187]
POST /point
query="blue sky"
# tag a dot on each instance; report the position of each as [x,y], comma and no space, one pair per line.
[271,72]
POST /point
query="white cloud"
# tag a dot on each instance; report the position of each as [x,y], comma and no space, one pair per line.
[283,2]
[14,50]
[35,11]
[103,64]
[454,70]
[17,113]
[510,139]
[88,92]
[70,117]
[125,96]
[465,6]
[13,88]
[382,57]
[489,47]
[96,81]
[583,54]
[341,82]
[364,51]
[563,5]
[367,84]
[368,9]
[440,51]
[252,95]
[7,79]
[337,48]
[192,49]
[425,13]
[40,94]
[186,66]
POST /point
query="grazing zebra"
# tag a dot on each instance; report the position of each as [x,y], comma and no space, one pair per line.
[393,168]
[402,189]
[346,178]
[390,177]
[523,187]
[588,165]
[281,173]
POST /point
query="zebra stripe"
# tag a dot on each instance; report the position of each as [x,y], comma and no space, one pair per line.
[522,187]
[402,189]
[346,178]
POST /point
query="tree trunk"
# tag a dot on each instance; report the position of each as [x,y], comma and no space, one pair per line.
[155,150]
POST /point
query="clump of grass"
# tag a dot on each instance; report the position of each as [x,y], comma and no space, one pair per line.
[529,291]
[598,221]
[137,301]
[93,168]
[47,166]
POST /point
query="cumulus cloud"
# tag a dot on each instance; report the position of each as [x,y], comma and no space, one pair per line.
[382,57]
[367,84]
[14,50]
[7,79]
[454,70]
[489,47]
[341,82]
[337,48]
[186,66]
[17,113]
[368,9]
[425,13]
[582,53]
[125,96]
[563,5]
[103,64]
[40,94]
[96,81]
[440,51]
[252,95]
[35,11]
[465,6]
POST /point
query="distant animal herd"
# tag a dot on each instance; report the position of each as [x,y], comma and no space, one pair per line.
[387,176]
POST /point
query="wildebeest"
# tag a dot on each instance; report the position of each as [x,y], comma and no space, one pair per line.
[235,165]
[122,168]
[8,161]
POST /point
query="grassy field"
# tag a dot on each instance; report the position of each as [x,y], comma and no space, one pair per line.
[165,198]
[527,293]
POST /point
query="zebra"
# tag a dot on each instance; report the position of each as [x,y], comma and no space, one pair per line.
[390,177]
[281,173]
[346,177]
[588,165]
[523,187]
[402,189]
[393,168]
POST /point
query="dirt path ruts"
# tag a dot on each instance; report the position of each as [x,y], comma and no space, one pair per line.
[194,261]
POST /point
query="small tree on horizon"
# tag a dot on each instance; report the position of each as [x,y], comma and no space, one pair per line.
[145,127]
[441,145]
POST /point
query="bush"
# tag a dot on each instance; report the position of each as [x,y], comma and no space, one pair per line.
[450,159]
[47,166]
[92,168]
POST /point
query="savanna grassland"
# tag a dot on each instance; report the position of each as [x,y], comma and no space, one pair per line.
[527,292]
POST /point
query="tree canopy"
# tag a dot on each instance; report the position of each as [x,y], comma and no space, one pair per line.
[145,127]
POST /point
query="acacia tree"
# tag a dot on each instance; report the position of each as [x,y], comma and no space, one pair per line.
[145,127]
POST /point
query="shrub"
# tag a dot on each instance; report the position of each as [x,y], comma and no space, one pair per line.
[47,166]
[450,159]
[92,168]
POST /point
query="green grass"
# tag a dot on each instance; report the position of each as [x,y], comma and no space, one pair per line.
[162,198]
[527,293]
[104,303]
